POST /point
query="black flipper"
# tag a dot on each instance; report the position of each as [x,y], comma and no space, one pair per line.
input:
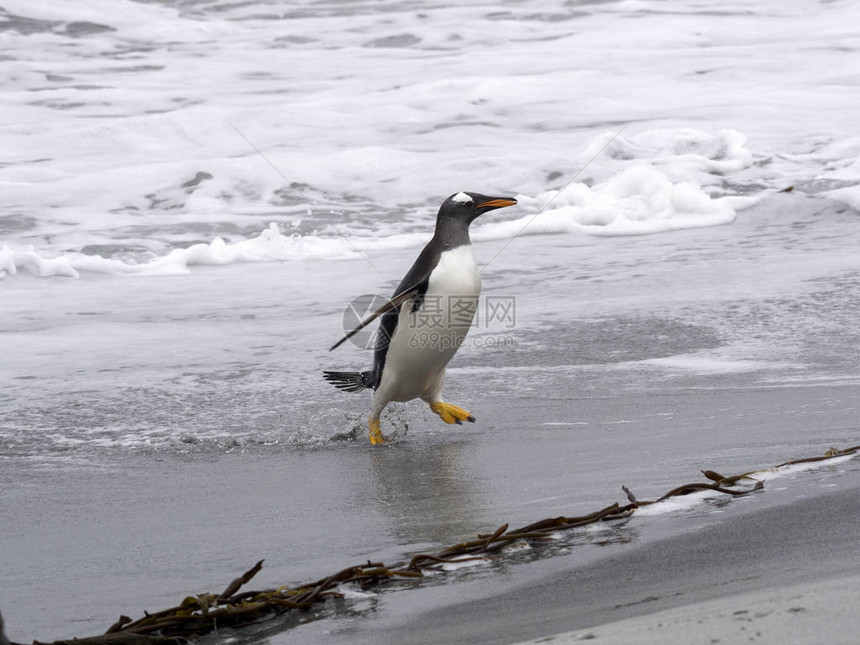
[392,304]
[349,381]
[415,281]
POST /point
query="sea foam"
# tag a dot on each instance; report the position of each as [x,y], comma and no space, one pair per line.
[658,181]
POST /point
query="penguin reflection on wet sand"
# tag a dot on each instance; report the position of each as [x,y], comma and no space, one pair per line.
[426,320]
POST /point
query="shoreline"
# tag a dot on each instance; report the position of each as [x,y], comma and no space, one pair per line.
[803,612]
[765,562]
[665,567]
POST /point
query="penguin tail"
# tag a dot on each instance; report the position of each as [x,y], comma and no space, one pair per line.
[349,381]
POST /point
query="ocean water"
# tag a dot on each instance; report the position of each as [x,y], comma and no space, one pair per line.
[193,193]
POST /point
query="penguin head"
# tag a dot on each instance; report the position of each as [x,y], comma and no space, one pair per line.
[465,207]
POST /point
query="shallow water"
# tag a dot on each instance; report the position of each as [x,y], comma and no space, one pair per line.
[163,422]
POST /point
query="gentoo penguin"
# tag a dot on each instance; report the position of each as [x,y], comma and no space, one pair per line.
[426,320]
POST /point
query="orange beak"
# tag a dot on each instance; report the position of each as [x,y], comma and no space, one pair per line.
[499,202]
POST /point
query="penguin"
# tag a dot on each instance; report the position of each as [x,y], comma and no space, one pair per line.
[426,320]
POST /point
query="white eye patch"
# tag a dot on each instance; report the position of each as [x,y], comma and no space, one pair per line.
[461,197]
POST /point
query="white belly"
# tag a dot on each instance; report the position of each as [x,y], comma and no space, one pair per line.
[426,339]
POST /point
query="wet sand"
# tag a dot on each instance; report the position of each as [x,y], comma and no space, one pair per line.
[796,537]
[84,543]
[789,574]
[810,612]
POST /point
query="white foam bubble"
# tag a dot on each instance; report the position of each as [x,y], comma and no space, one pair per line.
[13,261]
[463,563]
[848,195]
[640,199]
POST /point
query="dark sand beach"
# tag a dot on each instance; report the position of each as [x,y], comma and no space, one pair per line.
[122,538]
[758,555]
[759,565]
